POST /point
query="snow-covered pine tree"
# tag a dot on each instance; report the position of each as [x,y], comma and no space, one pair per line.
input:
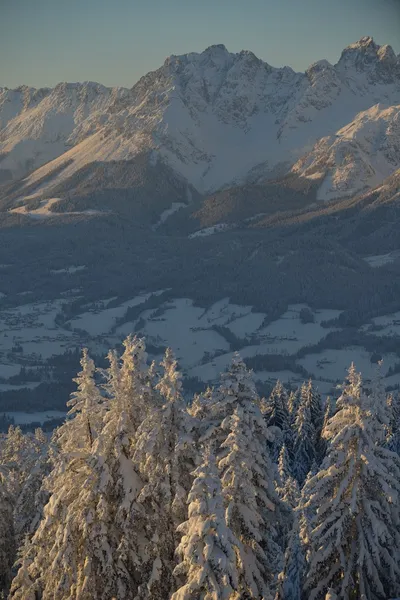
[236,388]
[7,541]
[284,465]
[287,487]
[23,459]
[114,545]
[393,441]
[164,454]
[200,409]
[355,497]
[351,389]
[293,404]
[379,401]
[208,549]
[322,441]
[393,402]
[309,395]
[290,580]
[131,380]
[304,449]
[242,470]
[277,416]
[23,587]
[28,509]
[56,553]
[276,410]
[86,406]
[18,455]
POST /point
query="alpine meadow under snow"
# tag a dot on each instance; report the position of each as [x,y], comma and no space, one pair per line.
[222,240]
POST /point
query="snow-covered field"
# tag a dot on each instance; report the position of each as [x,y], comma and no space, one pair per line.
[23,418]
[331,365]
[389,325]
[31,335]
[98,322]
[380,260]
[168,212]
[69,270]
[210,230]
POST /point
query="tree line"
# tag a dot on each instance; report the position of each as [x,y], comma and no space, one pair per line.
[142,495]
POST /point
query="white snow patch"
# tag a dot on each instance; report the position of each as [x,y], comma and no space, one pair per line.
[332,365]
[389,324]
[288,334]
[69,270]
[246,325]
[8,387]
[381,260]
[180,327]
[7,371]
[210,230]
[175,206]
[23,418]
[99,322]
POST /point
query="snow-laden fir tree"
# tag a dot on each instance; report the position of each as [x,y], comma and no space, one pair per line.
[293,404]
[284,465]
[56,552]
[310,396]
[28,508]
[131,380]
[277,416]
[393,401]
[236,388]
[164,454]
[24,458]
[354,537]
[290,580]
[86,406]
[304,448]
[287,487]
[380,402]
[200,410]
[7,541]
[114,546]
[393,441]
[18,455]
[244,485]
[322,442]
[276,411]
[115,540]
[208,549]
[23,587]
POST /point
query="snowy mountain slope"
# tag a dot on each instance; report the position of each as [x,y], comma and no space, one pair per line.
[367,222]
[359,156]
[215,118]
[38,125]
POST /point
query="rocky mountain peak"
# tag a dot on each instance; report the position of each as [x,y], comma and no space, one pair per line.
[368,57]
[212,116]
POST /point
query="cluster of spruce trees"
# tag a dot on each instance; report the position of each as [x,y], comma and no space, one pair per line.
[142,495]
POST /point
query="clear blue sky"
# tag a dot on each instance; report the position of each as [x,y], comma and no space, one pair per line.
[114,42]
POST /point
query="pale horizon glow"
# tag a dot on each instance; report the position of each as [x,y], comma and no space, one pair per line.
[116,42]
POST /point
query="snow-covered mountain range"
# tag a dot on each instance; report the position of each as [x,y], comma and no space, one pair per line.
[218,185]
[357,157]
[215,119]
[37,126]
